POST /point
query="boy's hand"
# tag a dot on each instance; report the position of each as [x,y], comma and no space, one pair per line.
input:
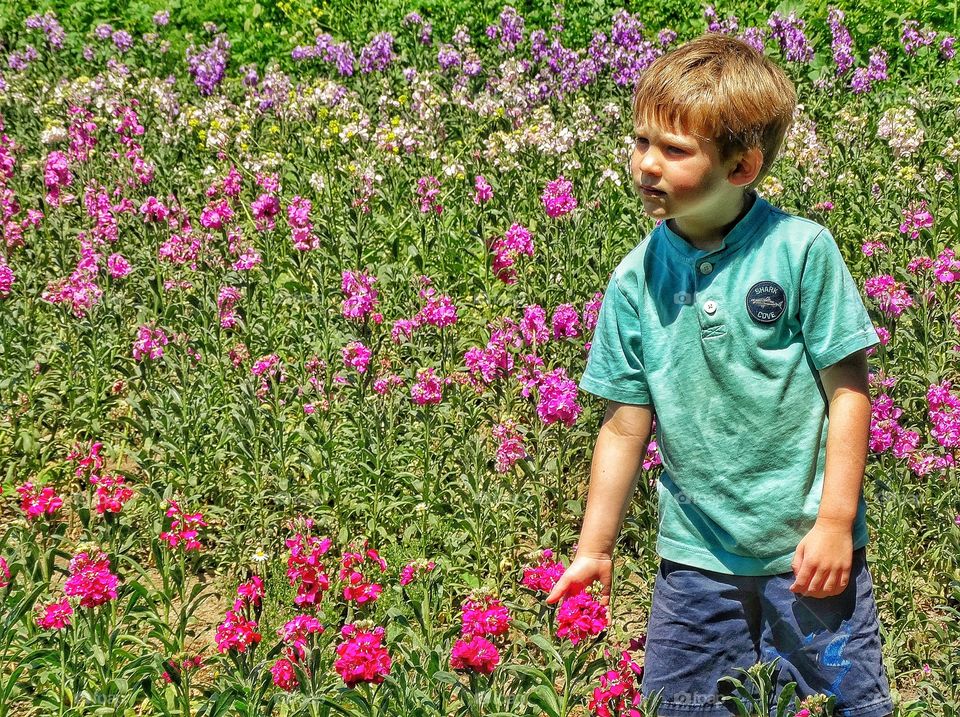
[581,573]
[823,560]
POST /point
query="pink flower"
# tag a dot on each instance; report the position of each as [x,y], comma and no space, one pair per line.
[439,310]
[483,192]
[892,297]
[591,311]
[579,617]
[284,675]
[558,199]
[236,632]
[354,573]
[477,654]
[544,575]
[184,529]
[361,296]
[916,217]
[618,694]
[565,322]
[56,615]
[91,580]
[4,574]
[483,614]
[36,502]
[6,278]
[251,592]
[412,570]
[428,189]
[362,656]
[356,355]
[118,266]
[265,209]
[533,325]
[226,301]
[296,633]
[149,343]
[558,398]
[428,389]
[111,493]
[301,227]
[511,448]
[305,571]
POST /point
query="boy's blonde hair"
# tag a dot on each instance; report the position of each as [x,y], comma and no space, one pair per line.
[723,90]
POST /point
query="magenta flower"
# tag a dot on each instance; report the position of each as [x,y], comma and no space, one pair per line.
[476,654]
[411,570]
[252,591]
[565,322]
[916,217]
[428,389]
[362,656]
[361,296]
[483,192]
[111,493]
[558,398]
[439,310]
[354,574]
[149,343]
[356,355]
[55,616]
[184,528]
[305,571]
[284,674]
[579,617]
[236,632]
[510,448]
[296,633]
[892,297]
[35,502]
[4,573]
[91,580]
[544,575]
[428,189]
[118,266]
[558,199]
[483,614]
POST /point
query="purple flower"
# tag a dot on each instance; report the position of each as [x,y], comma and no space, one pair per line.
[558,199]
[842,43]
[558,398]
[789,33]
[208,64]
[378,55]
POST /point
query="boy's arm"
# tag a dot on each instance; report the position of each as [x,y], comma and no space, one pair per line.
[824,556]
[848,394]
[617,458]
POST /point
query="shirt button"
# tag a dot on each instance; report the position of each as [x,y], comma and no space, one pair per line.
[706,267]
[710,307]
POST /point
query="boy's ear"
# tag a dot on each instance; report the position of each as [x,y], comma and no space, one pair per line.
[747,168]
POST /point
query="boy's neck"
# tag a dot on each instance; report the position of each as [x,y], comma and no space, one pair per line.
[710,239]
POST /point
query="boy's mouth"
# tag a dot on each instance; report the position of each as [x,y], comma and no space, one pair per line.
[651,192]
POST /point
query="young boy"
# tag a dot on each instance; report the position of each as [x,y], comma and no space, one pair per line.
[741,327]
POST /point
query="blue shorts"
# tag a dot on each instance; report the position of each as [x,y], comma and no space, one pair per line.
[705,624]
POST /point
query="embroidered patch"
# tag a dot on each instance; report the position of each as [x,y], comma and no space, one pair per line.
[766,301]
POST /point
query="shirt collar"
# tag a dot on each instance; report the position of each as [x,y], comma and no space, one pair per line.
[741,232]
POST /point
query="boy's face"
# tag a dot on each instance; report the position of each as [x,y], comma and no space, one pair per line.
[698,190]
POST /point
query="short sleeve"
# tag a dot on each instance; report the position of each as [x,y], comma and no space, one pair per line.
[615,363]
[833,320]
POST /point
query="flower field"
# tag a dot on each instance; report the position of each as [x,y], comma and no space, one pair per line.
[289,422]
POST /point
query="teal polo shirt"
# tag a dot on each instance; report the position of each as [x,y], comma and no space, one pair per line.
[726,346]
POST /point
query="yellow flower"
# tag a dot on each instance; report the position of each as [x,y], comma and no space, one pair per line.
[273,129]
[402,100]
[214,124]
[333,126]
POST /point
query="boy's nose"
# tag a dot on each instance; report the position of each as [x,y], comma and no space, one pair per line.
[648,164]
